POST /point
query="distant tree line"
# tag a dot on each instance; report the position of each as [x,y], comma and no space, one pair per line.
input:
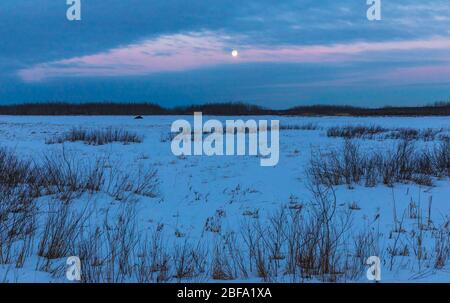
[60,108]
[225,109]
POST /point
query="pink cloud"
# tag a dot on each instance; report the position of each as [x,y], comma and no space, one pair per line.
[167,53]
[196,50]
[423,74]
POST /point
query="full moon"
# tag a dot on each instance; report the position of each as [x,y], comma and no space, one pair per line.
[234,53]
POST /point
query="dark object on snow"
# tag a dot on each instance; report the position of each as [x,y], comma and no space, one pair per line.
[138,117]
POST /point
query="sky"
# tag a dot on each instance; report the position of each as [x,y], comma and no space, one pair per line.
[178,52]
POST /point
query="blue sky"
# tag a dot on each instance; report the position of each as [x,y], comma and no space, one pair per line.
[175,52]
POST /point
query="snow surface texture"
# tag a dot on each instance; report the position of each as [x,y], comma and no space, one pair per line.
[204,199]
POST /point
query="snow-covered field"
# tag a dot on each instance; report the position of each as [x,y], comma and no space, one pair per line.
[201,205]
